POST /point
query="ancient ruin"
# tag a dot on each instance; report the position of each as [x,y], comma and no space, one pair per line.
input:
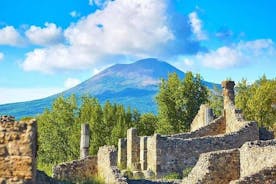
[219,150]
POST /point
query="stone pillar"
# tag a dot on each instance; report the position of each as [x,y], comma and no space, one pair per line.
[143,153]
[133,150]
[84,142]
[228,93]
[122,153]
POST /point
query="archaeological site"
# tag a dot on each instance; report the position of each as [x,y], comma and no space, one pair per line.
[222,150]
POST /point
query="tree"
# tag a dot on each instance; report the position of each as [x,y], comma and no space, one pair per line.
[147,124]
[257,101]
[178,102]
[215,101]
[55,128]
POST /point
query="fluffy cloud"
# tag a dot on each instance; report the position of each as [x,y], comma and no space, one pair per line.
[196,24]
[140,29]
[9,36]
[1,56]
[48,35]
[71,82]
[74,14]
[238,54]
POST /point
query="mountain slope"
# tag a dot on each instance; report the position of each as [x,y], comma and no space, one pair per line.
[133,85]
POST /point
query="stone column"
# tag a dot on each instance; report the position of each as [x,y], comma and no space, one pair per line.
[228,93]
[143,153]
[84,142]
[122,153]
[133,150]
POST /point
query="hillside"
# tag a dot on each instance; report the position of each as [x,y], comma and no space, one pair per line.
[133,85]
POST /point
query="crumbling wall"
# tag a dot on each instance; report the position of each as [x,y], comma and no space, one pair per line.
[204,117]
[175,155]
[256,156]
[264,176]
[215,127]
[107,166]
[77,170]
[215,167]
[18,144]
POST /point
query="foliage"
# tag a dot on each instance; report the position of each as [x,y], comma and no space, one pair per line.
[187,171]
[147,124]
[59,128]
[258,101]
[178,102]
[172,176]
[215,101]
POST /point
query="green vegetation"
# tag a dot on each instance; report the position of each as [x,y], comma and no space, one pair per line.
[172,176]
[178,102]
[187,171]
[258,101]
[59,128]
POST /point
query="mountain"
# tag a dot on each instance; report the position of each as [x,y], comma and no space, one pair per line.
[133,85]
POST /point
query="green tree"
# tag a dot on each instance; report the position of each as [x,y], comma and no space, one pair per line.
[147,124]
[55,128]
[257,101]
[215,101]
[178,102]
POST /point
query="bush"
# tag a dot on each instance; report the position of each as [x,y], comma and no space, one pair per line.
[172,175]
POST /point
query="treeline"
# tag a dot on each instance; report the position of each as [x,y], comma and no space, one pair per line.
[59,127]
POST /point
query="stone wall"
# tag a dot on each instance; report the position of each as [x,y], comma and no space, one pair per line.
[204,117]
[18,146]
[216,127]
[77,170]
[215,167]
[107,166]
[264,176]
[256,156]
[175,155]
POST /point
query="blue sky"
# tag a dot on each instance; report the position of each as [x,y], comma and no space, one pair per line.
[49,46]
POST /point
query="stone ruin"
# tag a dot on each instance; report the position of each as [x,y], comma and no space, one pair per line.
[219,150]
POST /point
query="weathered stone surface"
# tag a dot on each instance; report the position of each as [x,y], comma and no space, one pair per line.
[18,144]
[107,169]
[264,176]
[122,153]
[133,149]
[204,117]
[215,167]
[143,153]
[77,170]
[84,142]
[256,156]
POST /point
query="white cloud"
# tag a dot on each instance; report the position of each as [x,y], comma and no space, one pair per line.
[238,54]
[71,82]
[99,3]
[10,95]
[48,35]
[74,14]
[139,29]
[9,36]
[1,56]
[196,25]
